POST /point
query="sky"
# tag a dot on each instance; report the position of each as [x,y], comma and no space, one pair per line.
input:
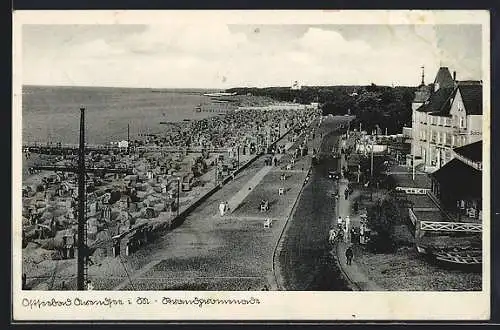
[222,56]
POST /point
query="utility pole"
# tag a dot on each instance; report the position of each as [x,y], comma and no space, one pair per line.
[238,156]
[413,166]
[217,170]
[371,166]
[178,195]
[128,138]
[81,170]
[82,225]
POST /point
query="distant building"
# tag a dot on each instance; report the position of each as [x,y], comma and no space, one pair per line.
[315,105]
[123,144]
[407,132]
[458,184]
[296,85]
[445,115]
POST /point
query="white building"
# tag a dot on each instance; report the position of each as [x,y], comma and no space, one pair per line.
[296,85]
[123,144]
[445,115]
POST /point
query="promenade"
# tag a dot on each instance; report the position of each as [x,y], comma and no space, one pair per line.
[354,273]
[230,252]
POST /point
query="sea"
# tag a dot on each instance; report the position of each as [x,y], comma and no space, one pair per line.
[51,113]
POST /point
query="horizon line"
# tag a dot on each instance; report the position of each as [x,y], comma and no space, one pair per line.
[215,88]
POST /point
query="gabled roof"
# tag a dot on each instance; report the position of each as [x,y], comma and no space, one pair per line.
[460,178]
[444,78]
[437,100]
[472,96]
[473,151]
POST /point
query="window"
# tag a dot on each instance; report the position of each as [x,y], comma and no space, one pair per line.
[462,122]
[443,140]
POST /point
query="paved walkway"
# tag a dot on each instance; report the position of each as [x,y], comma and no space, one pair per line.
[354,273]
[246,189]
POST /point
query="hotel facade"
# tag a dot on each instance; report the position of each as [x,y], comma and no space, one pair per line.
[445,115]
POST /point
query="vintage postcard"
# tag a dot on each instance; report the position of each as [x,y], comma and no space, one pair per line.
[251,165]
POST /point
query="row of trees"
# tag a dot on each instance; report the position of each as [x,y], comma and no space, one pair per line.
[382,106]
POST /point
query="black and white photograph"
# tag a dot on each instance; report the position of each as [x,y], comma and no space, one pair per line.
[201,152]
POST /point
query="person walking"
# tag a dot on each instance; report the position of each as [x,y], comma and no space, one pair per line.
[349,255]
[347,226]
[222,208]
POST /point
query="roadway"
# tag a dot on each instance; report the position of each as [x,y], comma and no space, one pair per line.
[305,261]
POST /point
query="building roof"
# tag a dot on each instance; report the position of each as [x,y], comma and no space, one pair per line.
[459,178]
[472,151]
[437,100]
[472,96]
[444,78]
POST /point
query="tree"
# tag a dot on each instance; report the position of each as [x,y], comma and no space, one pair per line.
[382,218]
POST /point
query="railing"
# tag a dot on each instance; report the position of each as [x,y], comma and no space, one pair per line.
[460,130]
[451,226]
[413,191]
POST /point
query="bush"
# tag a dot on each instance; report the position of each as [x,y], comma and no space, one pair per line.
[382,218]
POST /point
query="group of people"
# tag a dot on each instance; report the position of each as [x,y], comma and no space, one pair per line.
[232,128]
